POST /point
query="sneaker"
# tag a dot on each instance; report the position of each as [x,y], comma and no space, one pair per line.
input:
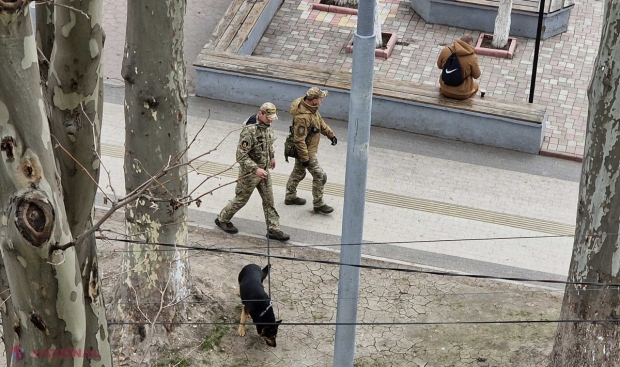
[226,227]
[278,235]
[325,209]
[296,201]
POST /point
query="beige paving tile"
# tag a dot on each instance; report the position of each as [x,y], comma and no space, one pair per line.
[564,69]
[408,175]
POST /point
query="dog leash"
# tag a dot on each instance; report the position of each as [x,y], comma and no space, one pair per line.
[267,309]
[269,276]
[268,265]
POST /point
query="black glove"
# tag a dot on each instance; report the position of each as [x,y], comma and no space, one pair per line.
[334,141]
[305,164]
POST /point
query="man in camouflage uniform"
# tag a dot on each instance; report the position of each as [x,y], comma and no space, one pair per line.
[255,156]
[307,124]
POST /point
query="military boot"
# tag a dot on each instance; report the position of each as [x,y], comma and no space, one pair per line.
[226,227]
[325,209]
[278,235]
[296,201]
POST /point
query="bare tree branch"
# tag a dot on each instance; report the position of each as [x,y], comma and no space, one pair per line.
[81,166]
[123,272]
[92,124]
[10,5]
[51,2]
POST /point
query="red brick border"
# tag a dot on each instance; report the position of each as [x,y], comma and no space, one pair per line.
[561,155]
[494,52]
[389,47]
[334,9]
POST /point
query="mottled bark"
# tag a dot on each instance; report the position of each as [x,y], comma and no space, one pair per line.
[502,24]
[5,310]
[44,36]
[596,251]
[45,284]
[155,119]
[347,3]
[75,99]
[377,15]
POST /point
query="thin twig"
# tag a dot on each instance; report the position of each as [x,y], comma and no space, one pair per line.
[123,272]
[105,238]
[161,307]
[81,166]
[217,146]
[97,144]
[51,2]
[5,301]
[42,56]
[154,179]
[138,305]
[11,5]
[200,130]
[186,355]
[219,187]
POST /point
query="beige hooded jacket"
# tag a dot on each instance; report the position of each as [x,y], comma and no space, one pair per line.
[469,65]
[307,118]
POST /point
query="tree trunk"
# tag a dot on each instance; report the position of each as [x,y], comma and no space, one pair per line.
[5,310]
[155,131]
[75,100]
[44,36]
[596,251]
[47,302]
[379,39]
[502,24]
[346,3]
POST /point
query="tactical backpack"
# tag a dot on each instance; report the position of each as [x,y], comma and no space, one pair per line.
[452,74]
[289,143]
[250,121]
[289,146]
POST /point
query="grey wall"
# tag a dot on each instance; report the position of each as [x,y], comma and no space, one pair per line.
[390,113]
[482,18]
[259,27]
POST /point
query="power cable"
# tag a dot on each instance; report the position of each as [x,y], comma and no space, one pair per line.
[410,323]
[403,296]
[374,267]
[382,242]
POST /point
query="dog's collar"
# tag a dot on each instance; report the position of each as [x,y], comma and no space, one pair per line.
[267,309]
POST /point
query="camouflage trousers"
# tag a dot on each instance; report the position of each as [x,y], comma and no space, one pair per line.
[244,189]
[319,177]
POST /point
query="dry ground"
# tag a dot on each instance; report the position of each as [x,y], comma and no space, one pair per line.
[305,292]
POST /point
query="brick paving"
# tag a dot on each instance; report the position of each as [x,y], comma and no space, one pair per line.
[319,38]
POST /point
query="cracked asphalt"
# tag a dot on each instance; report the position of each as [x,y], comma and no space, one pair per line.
[306,292]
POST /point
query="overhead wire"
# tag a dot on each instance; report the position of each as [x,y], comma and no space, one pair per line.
[370,243]
[375,267]
[410,323]
[387,297]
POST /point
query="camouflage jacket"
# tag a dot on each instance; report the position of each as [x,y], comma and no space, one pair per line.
[307,121]
[255,148]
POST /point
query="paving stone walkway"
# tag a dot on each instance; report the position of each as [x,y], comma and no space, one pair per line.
[318,38]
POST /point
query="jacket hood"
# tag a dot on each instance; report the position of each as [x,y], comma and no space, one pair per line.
[462,48]
[300,106]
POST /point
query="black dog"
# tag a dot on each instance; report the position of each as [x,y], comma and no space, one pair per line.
[256,303]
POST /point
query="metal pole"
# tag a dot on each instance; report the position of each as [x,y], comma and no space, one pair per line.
[360,106]
[541,12]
